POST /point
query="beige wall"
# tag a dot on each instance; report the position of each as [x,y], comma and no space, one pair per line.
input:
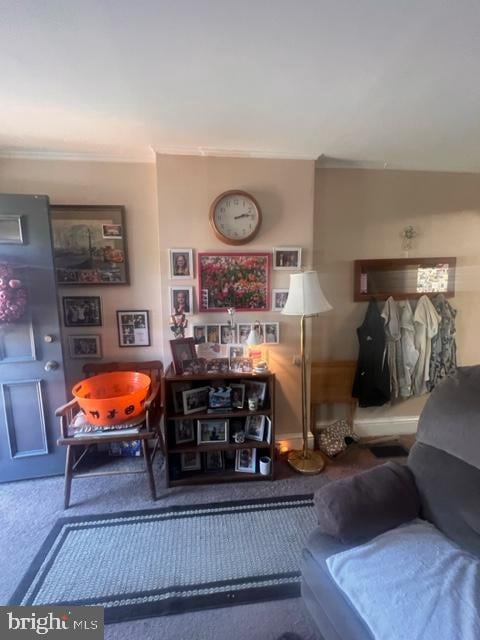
[131,185]
[285,191]
[361,214]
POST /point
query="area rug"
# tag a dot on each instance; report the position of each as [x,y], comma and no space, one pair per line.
[154,562]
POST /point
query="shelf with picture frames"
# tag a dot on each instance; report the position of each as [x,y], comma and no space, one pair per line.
[201,446]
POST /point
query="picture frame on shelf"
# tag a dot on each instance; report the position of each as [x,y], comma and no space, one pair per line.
[194,366]
[199,333]
[255,428]
[279,299]
[182,349]
[82,311]
[241,365]
[195,400]
[214,461]
[246,460]
[85,346]
[218,365]
[235,351]
[181,300]
[133,328]
[271,332]
[177,390]
[245,278]
[255,389]
[89,244]
[212,431]
[181,264]
[184,431]
[190,461]
[238,395]
[287,258]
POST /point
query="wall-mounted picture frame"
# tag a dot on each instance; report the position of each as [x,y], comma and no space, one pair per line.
[279,299]
[271,332]
[83,347]
[133,328]
[182,349]
[240,280]
[199,333]
[287,258]
[243,331]
[181,264]
[11,229]
[228,334]
[181,300]
[246,460]
[213,333]
[190,461]
[82,311]
[212,431]
[89,244]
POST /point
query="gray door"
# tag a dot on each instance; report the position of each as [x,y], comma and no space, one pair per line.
[32,381]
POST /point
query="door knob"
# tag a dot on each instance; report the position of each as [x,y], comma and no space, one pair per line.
[48,338]
[51,365]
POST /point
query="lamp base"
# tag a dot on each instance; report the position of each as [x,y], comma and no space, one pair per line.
[312,464]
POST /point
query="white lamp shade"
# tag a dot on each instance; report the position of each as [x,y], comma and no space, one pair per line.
[254,337]
[305,296]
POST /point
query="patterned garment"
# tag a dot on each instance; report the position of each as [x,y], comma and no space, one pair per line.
[391,316]
[443,361]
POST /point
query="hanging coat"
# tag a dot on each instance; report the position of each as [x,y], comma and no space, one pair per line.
[443,361]
[372,379]
[427,321]
[391,316]
[407,345]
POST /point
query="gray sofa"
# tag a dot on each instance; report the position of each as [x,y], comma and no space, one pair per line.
[445,463]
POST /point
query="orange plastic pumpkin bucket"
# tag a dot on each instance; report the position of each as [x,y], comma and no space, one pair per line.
[112,398]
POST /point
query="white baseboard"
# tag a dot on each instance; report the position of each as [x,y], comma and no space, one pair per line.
[294,440]
[394,426]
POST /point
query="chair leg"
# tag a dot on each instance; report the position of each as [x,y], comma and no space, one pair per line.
[68,476]
[148,464]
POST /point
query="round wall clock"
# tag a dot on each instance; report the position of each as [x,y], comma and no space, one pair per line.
[235,217]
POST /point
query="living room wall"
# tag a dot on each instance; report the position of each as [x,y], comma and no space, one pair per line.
[361,214]
[285,191]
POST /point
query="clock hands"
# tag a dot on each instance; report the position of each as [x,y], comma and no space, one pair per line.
[243,215]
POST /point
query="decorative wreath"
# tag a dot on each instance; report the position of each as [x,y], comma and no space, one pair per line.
[13,295]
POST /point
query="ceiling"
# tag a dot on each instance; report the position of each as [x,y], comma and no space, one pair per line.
[369,83]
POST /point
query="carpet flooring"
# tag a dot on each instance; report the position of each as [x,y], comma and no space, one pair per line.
[29,509]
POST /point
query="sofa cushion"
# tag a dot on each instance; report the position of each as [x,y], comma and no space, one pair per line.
[360,507]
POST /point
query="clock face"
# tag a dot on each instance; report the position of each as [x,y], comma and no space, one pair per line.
[235,217]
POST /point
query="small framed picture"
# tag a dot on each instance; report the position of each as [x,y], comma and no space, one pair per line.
[255,428]
[182,349]
[212,431]
[218,365]
[271,332]
[241,365]
[238,395]
[191,461]
[279,298]
[287,258]
[181,300]
[255,389]
[82,311]
[227,334]
[181,264]
[195,400]
[214,461]
[177,389]
[246,460]
[184,431]
[133,329]
[243,331]
[235,351]
[112,231]
[88,346]
[199,333]
[213,333]
[194,366]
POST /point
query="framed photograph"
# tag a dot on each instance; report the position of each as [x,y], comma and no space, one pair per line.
[255,389]
[181,300]
[214,461]
[287,258]
[194,366]
[181,264]
[235,351]
[82,311]
[238,395]
[227,334]
[182,349]
[85,347]
[195,399]
[255,428]
[199,333]
[211,350]
[184,431]
[213,333]
[243,331]
[190,461]
[89,244]
[11,231]
[246,460]
[177,390]
[240,280]
[241,365]
[133,329]
[212,431]
[218,365]
[271,332]
[279,298]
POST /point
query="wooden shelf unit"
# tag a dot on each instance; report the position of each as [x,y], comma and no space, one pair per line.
[177,477]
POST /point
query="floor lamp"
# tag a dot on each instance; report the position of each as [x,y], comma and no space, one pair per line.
[305,299]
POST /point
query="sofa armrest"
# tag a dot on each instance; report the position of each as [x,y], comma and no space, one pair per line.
[358,508]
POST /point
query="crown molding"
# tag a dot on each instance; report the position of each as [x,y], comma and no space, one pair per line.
[147,156]
[233,153]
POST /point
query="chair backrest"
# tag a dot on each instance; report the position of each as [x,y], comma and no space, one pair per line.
[153,368]
[331,383]
[445,458]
